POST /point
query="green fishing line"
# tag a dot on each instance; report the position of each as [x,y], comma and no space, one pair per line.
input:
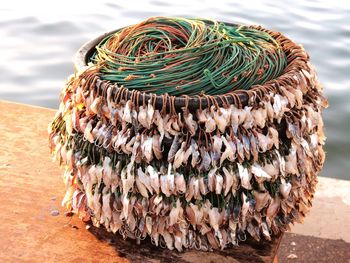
[188,56]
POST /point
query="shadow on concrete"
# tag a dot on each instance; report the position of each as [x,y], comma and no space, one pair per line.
[249,251]
[313,249]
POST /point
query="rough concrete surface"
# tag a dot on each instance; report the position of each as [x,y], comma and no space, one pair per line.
[33,227]
[330,214]
[296,248]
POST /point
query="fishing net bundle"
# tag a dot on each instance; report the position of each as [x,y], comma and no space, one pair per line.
[192,132]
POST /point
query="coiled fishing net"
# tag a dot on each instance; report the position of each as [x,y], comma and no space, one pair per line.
[187,56]
[192,132]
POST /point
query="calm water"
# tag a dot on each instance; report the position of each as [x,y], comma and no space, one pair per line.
[39,39]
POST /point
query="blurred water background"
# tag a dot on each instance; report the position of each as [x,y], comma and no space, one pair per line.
[38,40]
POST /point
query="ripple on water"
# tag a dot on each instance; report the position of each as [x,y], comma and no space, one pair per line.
[37,50]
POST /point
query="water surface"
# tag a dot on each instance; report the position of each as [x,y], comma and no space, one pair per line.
[39,39]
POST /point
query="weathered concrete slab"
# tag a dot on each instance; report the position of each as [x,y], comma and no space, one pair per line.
[31,191]
[31,188]
[330,215]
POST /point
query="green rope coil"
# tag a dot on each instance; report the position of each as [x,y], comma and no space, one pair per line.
[188,56]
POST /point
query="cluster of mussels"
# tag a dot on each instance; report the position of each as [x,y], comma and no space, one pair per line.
[200,178]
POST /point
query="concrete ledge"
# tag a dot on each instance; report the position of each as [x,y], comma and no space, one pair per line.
[330,214]
[31,188]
